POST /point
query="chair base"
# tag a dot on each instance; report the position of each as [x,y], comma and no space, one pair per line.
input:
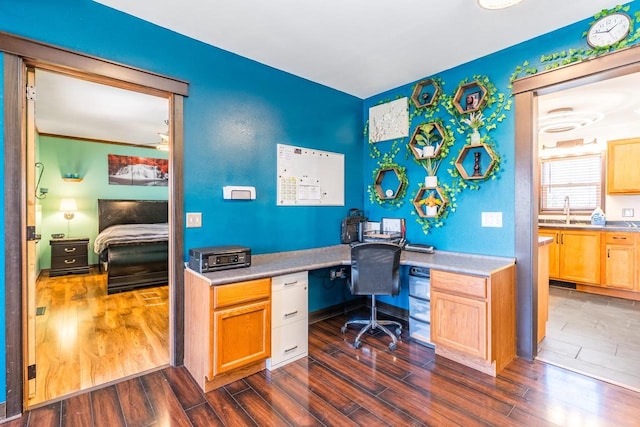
[372,324]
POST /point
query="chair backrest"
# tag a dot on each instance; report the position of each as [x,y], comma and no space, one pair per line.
[375,268]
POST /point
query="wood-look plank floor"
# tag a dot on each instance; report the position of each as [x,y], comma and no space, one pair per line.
[87,338]
[340,386]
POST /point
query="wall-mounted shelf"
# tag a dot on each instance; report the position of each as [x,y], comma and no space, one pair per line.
[72,179]
[382,177]
[437,135]
[424,193]
[425,93]
[477,172]
[470,97]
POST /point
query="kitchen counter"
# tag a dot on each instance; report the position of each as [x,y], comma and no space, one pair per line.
[544,240]
[279,263]
[625,226]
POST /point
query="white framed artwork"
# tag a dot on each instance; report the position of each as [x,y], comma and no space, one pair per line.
[389,120]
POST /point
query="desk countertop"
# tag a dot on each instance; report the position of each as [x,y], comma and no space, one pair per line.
[279,263]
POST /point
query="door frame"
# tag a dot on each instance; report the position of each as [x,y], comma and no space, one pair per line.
[18,54]
[526,91]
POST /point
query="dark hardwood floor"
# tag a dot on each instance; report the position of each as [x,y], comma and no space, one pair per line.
[338,386]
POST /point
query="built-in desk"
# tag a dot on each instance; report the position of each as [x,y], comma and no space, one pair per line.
[473,320]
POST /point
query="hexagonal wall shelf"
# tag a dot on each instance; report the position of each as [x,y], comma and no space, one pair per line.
[438,138]
[474,95]
[425,93]
[381,178]
[424,193]
[476,165]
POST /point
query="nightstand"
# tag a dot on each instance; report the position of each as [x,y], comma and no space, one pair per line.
[69,255]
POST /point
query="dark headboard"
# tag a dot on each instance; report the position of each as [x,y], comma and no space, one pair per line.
[114,212]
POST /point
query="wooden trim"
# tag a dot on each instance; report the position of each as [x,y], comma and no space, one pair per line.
[89,67]
[526,90]
[83,66]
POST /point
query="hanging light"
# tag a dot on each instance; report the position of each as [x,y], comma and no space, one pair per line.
[497,4]
[566,119]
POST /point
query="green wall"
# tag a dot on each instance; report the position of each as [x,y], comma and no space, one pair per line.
[89,161]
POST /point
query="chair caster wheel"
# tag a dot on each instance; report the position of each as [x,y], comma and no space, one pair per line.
[392,346]
[357,345]
[344,329]
[398,331]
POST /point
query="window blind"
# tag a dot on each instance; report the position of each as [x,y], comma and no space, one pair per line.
[579,178]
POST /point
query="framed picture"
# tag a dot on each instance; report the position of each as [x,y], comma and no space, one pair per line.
[134,170]
[472,101]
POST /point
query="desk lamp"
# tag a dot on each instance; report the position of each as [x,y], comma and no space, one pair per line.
[68,206]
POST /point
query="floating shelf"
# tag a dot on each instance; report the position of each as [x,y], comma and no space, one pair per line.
[438,136]
[380,178]
[425,93]
[423,193]
[72,179]
[478,149]
[476,91]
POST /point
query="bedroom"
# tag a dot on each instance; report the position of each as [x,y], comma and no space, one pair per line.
[86,334]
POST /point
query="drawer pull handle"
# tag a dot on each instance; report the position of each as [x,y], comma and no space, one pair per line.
[291,349]
[291,283]
[68,250]
[619,238]
[71,261]
[293,313]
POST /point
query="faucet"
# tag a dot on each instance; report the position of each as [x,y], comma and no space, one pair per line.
[567,210]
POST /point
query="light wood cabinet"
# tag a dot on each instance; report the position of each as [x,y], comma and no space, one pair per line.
[473,318]
[543,289]
[619,260]
[227,329]
[623,174]
[574,256]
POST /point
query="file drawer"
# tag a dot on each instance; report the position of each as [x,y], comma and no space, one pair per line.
[288,343]
[420,309]
[289,304]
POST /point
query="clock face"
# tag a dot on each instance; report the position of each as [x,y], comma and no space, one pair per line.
[609,30]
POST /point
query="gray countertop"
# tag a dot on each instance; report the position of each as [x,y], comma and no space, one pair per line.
[630,227]
[279,263]
[544,240]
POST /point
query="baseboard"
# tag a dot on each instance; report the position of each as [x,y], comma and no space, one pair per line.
[336,310]
[392,310]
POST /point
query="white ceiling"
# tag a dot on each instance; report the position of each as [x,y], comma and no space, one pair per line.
[361,47]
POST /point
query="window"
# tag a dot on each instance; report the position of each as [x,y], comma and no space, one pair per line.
[578,177]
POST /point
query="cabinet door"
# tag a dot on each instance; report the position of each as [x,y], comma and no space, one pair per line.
[623,174]
[619,264]
[580,256]
[554,253]
[459,323]
[241,336]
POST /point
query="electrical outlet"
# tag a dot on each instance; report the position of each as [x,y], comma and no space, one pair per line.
[194,219]
[627,212]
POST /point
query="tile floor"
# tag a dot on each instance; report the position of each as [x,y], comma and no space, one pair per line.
[595,335]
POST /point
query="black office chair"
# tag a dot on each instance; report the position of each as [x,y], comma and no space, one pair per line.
[375,270]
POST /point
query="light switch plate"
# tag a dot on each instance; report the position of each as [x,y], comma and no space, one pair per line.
[194,219]
[627,212]
[492,219]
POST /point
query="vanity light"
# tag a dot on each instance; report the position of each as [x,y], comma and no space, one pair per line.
[497,4]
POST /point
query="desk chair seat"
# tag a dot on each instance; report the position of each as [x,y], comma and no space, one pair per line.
[375,270]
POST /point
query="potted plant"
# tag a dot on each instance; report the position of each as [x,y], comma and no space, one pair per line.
[431,165]
[431,204]
[423,139]
[475,121]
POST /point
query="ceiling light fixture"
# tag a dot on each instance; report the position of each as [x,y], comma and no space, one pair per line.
[497,4]
[566,119]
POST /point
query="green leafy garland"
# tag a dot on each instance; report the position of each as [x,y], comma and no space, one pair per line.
[387,161]
[570,56]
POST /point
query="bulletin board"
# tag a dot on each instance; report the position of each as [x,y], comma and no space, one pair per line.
[309,177]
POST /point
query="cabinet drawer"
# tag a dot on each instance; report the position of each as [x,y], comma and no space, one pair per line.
[289,342]
[69,250]
[420,309]
[474,286]
[619,238]
[289,280]
[290,304]
[419,287]
[238,293]
[68,262]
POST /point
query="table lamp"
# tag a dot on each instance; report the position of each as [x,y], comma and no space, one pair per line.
[68,206]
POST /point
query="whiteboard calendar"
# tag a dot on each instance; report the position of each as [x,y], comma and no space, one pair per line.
[308,177]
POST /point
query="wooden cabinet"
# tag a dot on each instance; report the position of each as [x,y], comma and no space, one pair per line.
[473,318]
[623,174]
[574,256]
[69,255]
[543,288]
[289,319]
[227,329]
[619,260]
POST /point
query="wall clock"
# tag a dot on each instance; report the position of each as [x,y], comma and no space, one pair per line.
[609,30]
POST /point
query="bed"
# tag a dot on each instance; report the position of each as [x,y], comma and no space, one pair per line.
[132,243]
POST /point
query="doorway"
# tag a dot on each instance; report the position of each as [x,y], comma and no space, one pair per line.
[82,335]
[16,50]
[526,91]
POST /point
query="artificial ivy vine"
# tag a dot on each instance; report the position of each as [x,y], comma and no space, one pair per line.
[387,161]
